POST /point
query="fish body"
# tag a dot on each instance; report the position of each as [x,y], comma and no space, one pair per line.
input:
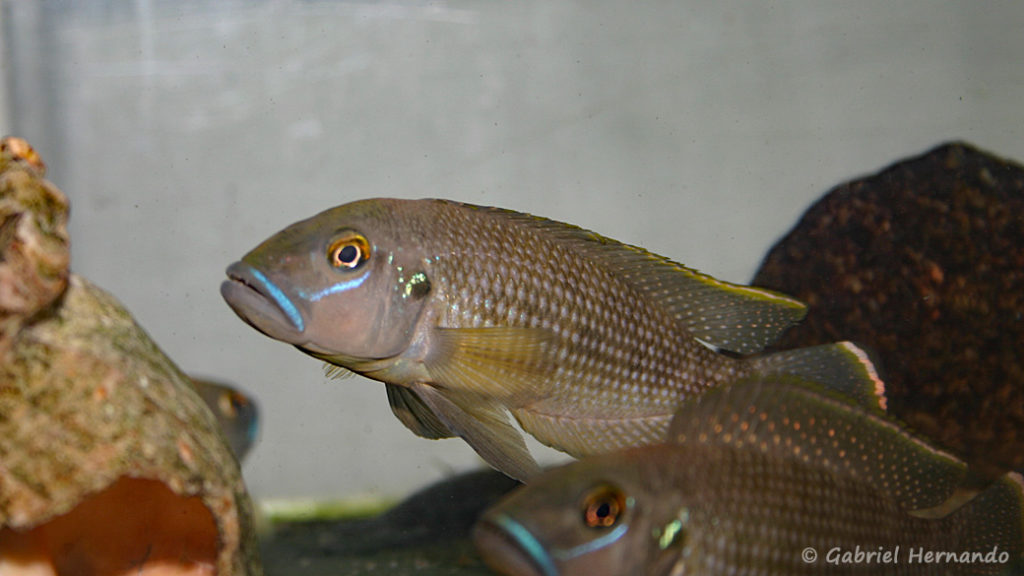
[709,510]
[792,418]
[469,313]
[236,413]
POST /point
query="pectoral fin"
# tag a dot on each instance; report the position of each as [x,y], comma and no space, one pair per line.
[508,364]
[484,426]
[416,416]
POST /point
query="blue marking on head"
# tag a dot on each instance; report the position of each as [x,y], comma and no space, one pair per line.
[335,288]
[595,544]
[529,544]
[283,302]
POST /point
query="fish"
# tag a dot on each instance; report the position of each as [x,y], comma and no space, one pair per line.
[471,314]
[237,414]
[793,418]
[441,512]
[710,509]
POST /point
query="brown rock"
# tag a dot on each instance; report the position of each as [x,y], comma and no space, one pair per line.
[34,251]
[109,462]
[924,263]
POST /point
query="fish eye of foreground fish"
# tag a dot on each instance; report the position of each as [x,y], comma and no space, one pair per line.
[593,538]
[330,289]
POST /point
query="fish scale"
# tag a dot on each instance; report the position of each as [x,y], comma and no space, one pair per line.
[802,420]
[733,511]
[469,314]
[600,362]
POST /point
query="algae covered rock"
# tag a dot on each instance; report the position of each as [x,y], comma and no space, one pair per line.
[924,263]
[33,238]
[109,462]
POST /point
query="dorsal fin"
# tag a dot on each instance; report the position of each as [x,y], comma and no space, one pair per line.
[992,520]
[796,418]
[732,317]
[841,367]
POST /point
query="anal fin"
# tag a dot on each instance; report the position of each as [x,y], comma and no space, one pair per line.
[584,436]
[485,426]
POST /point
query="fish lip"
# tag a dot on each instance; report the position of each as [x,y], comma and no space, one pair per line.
[262,305]
[510,548]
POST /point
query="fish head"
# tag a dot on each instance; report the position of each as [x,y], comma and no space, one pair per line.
[653,510]
[586,518]
[236,413]
[346,284]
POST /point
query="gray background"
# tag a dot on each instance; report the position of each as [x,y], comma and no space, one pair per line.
[186,132]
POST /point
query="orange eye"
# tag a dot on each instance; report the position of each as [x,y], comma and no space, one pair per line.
[349,251]
[603,506]
[231,403]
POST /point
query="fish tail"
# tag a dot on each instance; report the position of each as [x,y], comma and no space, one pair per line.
[843,367]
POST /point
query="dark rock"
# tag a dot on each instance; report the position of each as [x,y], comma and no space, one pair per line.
[924,263]
[427,533]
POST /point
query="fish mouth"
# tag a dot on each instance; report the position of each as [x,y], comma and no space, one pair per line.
[262,304]
[508,547]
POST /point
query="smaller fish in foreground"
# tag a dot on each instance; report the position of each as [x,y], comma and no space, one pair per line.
[716,504]
[236,413]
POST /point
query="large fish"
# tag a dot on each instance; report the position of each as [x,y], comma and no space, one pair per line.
[467,312]
[722,506]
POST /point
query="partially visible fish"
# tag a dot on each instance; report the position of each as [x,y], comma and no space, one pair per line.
[704,509]
[444,511]
[467,313]
[793,418]
[237,414]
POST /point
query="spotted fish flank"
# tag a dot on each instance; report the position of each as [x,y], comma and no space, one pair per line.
[469,314]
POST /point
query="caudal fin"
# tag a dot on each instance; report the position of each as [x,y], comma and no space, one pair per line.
[843,367]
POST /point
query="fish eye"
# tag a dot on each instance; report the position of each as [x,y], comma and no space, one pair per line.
[348,251]
[231,403]
[603,506]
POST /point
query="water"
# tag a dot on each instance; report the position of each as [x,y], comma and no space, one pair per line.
[183,133]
